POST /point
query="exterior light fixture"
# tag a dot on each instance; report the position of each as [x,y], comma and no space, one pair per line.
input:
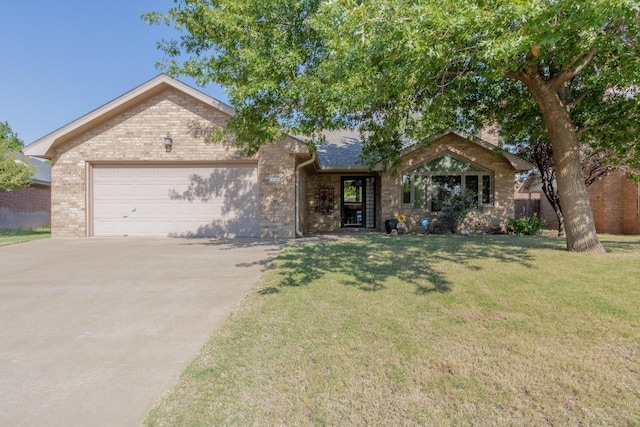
[168,143]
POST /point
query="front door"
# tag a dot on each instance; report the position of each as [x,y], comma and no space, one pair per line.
[358,205]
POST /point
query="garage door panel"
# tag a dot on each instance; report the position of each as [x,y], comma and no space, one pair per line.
[203,210]
[175,201]
[166,172]
[144,172]
[126,172]
[124,228]
[105,189]
[105,228]
[145,190]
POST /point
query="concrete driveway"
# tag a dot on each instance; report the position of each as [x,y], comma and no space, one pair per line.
[94,331]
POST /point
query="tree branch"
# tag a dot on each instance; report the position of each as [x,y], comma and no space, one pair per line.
[578,100]
[574,70]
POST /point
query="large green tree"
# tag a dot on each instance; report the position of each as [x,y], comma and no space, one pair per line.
[9,137]
[14,173]
[398,69]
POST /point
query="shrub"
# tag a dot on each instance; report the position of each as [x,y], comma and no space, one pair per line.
[527,225]
[454,211]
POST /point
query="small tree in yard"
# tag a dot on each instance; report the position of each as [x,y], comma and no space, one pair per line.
[14,173]
[400,70]
[455,209]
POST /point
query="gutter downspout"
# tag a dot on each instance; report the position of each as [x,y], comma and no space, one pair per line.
[300,166]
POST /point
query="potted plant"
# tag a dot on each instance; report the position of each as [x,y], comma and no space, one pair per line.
[401,226]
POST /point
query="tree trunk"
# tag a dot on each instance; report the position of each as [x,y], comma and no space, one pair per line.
[543,158]
[560,223]
[576,210]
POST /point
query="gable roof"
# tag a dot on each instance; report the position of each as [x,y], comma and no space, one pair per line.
[518,163]
[41,170]
[42,174]
[342,149]
[43,146]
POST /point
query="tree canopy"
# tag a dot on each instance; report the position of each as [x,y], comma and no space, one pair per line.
[566,70]
[14,173]
[9,137]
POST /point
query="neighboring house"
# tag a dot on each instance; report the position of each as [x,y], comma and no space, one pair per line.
[29,207]
[530,200]
[615,203]
[140,166]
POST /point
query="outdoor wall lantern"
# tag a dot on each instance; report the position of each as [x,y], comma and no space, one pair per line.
[168,142]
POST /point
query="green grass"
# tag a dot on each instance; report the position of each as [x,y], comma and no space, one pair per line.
[21,236]
[425,330]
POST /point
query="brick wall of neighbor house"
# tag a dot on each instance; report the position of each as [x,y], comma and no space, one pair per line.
[26,208]
[486,219]
[137,136]
[614,202]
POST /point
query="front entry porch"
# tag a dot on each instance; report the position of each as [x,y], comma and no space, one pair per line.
[358,202]
[338,202]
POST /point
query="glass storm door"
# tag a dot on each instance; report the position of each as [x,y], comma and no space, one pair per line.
[358,204]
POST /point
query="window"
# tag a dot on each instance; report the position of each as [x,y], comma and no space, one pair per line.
[429,185]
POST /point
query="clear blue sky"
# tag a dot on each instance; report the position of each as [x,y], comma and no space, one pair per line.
[63,59]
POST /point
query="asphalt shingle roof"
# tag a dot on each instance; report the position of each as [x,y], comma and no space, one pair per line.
[341,149]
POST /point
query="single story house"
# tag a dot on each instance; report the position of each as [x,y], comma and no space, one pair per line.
[614,199]
[30,207]
[140,166]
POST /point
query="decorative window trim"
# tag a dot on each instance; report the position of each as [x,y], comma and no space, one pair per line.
[422,178]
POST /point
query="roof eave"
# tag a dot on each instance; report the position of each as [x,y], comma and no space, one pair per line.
[344,168]
[518,163]
[44,146]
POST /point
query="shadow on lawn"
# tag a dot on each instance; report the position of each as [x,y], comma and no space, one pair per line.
[418,260]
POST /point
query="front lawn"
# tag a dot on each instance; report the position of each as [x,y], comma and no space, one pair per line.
[21,236]
[425,330]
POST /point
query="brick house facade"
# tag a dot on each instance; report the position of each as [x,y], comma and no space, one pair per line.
[112,175]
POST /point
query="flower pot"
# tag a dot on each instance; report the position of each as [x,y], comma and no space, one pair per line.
[390,224]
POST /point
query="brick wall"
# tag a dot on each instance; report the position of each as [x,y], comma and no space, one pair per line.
[614,202]
[136,135]
[26,208]
[388,189]
[318,221]
[487,218]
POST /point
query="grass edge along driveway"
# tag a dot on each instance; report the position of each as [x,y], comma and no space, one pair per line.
[23,236]
[425,330]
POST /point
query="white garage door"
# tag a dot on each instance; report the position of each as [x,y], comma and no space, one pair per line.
[175,201]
